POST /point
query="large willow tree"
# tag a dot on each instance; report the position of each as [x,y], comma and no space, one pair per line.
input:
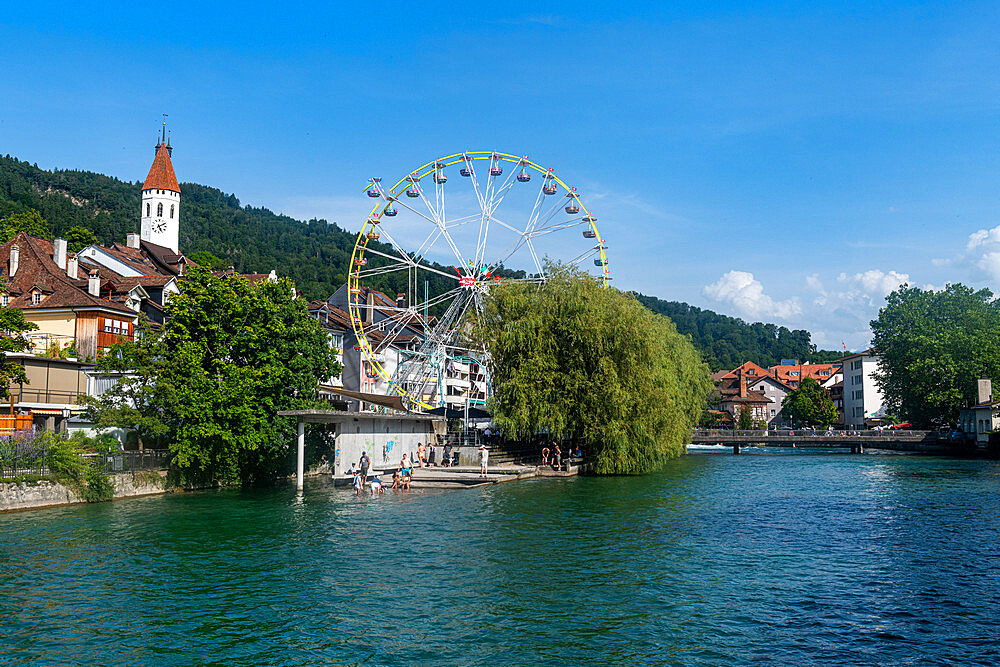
[576,360]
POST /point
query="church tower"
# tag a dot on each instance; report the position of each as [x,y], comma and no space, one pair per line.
[161,200]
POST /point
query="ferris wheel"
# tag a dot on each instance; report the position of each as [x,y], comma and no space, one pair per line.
[449,230]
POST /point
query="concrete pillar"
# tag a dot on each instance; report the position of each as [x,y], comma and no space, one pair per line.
[50,424]
[736,448]
[300,470]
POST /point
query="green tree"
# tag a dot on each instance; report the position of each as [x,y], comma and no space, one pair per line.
[573,359]
[30,221]
[933,345]
[78,238]
[12,339]
[810,404]
[745,421]
[208,260]
[230,356]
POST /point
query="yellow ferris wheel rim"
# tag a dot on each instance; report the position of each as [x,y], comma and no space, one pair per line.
[375,216]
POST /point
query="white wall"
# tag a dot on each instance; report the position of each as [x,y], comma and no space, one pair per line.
[385,439]
[870,401]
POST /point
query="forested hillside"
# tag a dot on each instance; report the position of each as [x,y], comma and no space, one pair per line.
[315,254]
[728,341]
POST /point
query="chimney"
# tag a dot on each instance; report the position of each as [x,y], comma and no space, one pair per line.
[94,284]
[59,253]
[743,385]
[984,387]
[15,259]
[401,300]
[132,240]
[71,266]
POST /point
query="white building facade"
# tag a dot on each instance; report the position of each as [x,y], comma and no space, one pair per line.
[863,398]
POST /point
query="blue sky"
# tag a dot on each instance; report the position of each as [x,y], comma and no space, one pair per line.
[775,161]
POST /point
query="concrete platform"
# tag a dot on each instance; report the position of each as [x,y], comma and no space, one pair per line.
[466,477]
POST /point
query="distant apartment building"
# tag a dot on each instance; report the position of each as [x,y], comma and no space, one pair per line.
[863,401]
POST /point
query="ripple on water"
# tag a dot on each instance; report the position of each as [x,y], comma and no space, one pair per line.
[787,559]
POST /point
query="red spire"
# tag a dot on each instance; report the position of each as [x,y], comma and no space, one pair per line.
[161,174]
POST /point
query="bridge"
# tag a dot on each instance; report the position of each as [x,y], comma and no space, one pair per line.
[853,441]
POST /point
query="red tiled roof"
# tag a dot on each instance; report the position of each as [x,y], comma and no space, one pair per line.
[36,268]
[161,174]
[746,367]
[337,318]
[751,397]
[815,371]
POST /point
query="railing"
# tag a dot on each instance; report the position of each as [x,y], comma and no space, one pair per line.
[470,438]
[21,453]
[31,395]
[48,344]
[11,423]
[132,461]
[812,433]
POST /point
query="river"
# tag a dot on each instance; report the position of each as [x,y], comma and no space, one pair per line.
[778,558]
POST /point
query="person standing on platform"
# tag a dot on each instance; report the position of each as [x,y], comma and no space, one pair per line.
[420,454]
[365,463]
[484,457]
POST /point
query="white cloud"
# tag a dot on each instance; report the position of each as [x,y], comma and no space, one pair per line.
[981,256]
[835,309]
[873,283]
[746,294]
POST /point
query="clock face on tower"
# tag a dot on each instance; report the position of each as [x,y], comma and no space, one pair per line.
[160,226]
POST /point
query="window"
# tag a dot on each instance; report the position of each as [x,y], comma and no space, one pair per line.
[5,299]
[751,372]
[794,374]
[773,412]
[171,210]
[108,325]
[859,411]
[147,209]
[159,209]
[855,365]
[36,298]
[859,393]
[856,379]
[824,372]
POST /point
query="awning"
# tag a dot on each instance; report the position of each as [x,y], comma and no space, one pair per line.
[392,402]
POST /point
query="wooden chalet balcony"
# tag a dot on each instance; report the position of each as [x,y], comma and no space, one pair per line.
[11,423]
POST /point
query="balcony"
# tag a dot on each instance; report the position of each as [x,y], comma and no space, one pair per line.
[56,346]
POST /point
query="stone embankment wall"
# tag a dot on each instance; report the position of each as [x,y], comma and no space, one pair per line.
[29,495]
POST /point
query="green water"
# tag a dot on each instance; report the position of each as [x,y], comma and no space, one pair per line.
[787,559]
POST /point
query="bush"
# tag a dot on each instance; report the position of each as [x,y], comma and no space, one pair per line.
[99,485]
[85,477]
